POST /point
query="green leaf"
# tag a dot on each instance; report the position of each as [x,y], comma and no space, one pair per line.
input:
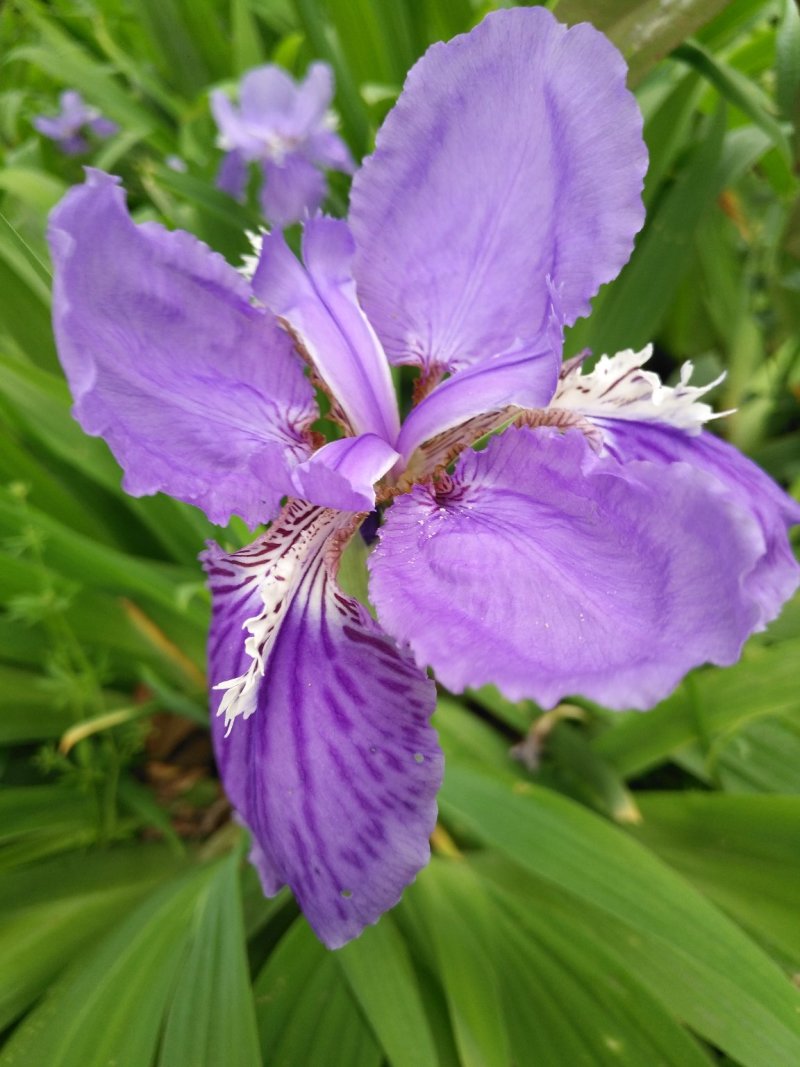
[628,313]
[27,710]
[737,90]
[109,1005]
[762,684]
[211,1019]
[38,820]
[701,965]
[741,851]
[306,1013]
[41,191]
[380,974]
[667,131]
[787,49]
[456,915]
[567,996]
[643,30]
[173,46]
[51,911]
[245,39]
[25,297]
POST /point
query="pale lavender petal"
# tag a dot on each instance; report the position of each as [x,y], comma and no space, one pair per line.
[197,392]
[103,127]
[53,127]
[635,416]
[293,189]
[514,153]
[74,108]
[549,571]
[312,98]
[234,133]
[326,149]
[320,306]
[332,762]
[342,474]
[267,97]
[777,573]
[232,175]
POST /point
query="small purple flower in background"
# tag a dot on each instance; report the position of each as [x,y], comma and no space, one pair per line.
[602,543]
[70,126]
[284,127]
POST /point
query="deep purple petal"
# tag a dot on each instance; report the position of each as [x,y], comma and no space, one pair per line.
[514,153]
[332,763]
[197,392]
[548,571]
[342,474]
[293,189]
[232,175]
[319,304]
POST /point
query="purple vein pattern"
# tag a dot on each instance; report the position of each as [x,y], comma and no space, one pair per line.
[602,543]
[338,736]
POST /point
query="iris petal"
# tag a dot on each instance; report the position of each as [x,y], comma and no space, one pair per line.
[342,474]
[548,571]
[332,764]
[198,393]
[513,154]
[319,304]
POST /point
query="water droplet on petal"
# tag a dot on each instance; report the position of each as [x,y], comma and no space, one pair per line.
[418,757]
[346,893]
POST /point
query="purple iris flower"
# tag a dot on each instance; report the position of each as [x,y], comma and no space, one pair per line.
[69,127]
[602,543]
[285,128]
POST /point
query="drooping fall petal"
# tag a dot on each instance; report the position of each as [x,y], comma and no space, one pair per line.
[548,571]
[323,743]
[198,393]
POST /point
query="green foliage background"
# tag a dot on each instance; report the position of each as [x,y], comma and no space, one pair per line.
[629,892]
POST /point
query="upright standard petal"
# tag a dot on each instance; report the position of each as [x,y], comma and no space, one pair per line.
[548,571]
[327,755]
[320,306]
[639,418]
[312,99]
[514,154]
[197,392]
